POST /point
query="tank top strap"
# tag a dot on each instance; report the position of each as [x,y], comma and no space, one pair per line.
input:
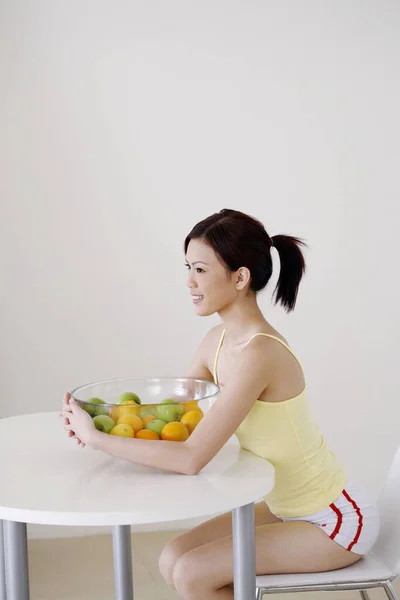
[217,356]
[274,337]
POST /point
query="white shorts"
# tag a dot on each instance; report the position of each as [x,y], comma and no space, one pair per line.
[352,520]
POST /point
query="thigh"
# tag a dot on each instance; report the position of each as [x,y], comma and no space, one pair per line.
[219,527]
[296,547]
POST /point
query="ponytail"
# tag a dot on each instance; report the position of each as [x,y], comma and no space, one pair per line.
[292,269]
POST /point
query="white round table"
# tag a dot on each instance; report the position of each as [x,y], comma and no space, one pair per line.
[45,478]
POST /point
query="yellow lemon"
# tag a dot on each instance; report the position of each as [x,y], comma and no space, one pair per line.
[128,408]
[191,405]
[191,419]
[135,422]
[114,413]
[123,430]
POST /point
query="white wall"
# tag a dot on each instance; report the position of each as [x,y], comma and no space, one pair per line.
[124,123]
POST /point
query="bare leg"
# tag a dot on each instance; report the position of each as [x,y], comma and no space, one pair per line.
[211,530]
[206,572]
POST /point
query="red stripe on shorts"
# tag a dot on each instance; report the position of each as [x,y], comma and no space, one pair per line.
[360,519]
[339,521]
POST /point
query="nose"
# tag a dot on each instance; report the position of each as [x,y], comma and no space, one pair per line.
[190,281]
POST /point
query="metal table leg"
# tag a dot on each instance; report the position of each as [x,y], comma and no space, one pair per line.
[122,562]
[16,560]
[244,553]
[2,565]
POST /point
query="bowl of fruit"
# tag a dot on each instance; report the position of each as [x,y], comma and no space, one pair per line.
[159,408]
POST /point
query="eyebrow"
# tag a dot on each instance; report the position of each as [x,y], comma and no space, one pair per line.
[198,262]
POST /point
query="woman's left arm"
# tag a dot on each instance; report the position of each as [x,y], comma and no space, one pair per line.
[251,376]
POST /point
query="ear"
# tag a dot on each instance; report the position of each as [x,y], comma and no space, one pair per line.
[242,278]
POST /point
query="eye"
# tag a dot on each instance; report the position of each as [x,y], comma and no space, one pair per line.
[198,269]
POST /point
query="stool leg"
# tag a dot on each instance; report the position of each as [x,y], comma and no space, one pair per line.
[2,565]
[390,591]
[244,553]
[122,550]
[16,560]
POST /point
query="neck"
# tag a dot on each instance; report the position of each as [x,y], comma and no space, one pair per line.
[241,319]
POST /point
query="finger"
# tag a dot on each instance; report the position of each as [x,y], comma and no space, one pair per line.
[68,427]
[67,397]
[67,414]
[74,407]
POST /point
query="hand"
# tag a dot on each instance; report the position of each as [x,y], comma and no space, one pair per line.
[77,421]
[66,408]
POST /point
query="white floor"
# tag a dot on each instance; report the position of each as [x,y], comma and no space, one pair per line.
[81,569]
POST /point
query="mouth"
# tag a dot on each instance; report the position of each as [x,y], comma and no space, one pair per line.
[197,299]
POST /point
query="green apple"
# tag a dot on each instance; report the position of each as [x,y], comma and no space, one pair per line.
[147,410]
[104,423]
[129,397]
[169,410]
[94,408]
[157,425]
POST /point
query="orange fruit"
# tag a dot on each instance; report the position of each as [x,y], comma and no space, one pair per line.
[123,430]
[128,408]
[191,405]
[147,418]
[114,413]
[147,434]
[135,422]
[175,432]
[191,419]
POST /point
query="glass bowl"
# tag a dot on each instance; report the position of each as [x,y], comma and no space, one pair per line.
[158,408]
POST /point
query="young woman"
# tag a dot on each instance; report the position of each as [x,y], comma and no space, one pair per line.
[315,518]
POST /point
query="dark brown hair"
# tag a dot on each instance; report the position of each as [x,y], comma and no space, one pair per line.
[240,240]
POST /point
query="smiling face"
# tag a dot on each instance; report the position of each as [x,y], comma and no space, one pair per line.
[212,285]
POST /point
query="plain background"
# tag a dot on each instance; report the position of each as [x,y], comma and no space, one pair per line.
[125,123]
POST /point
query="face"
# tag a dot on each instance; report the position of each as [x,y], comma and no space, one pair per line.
[212,286]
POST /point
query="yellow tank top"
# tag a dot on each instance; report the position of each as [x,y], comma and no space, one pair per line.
[308,477]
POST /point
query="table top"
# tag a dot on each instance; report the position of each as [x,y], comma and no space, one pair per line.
[46,478]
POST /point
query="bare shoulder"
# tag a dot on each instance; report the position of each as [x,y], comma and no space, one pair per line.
[271,351]
[263,346]
[287,376]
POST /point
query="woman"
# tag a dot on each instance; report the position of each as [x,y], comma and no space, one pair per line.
[314,519]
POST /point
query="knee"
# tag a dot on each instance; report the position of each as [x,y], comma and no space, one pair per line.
[169,556]
[186,577]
